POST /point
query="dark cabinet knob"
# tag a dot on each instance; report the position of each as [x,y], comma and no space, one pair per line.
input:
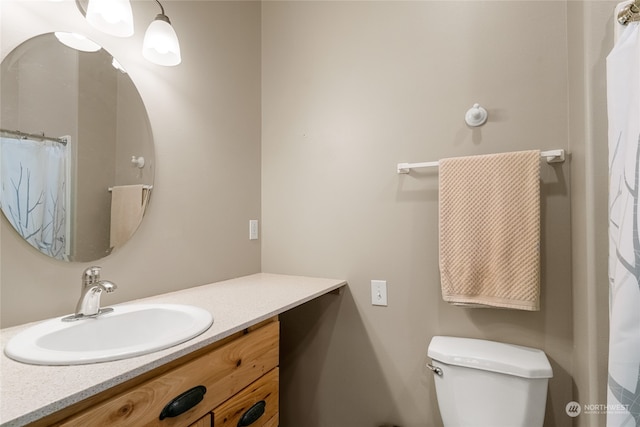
[182,403]
[252,414]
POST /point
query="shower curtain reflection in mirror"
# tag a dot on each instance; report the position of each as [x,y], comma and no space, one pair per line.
[34,195]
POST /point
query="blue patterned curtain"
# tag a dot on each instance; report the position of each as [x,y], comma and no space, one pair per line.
[33,194]
[623,102]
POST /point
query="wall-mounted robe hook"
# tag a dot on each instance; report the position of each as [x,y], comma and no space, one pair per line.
[137,161]
[476,116]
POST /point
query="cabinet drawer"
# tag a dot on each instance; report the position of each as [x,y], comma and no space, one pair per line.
[273,422]
[259,399]
[203,422]
[224,372]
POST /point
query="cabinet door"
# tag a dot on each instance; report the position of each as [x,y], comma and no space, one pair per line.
[256,405]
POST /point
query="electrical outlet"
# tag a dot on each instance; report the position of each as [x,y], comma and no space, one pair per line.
[253,229]
[379,292]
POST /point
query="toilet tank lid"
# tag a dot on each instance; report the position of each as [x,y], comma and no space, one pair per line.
[490,356]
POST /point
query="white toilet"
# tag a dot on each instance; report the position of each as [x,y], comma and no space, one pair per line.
[483,383]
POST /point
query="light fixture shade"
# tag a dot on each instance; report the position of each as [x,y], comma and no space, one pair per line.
[160,44]
[77,41]
[111,16]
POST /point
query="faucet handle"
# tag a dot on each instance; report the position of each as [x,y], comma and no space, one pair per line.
[91,275]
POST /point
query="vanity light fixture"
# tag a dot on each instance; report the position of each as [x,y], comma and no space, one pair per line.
[160,44]
[111,16]
[115,17]
[77,41]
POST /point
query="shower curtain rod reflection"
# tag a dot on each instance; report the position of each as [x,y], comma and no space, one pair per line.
[23,135]
[145,186]
[630,13]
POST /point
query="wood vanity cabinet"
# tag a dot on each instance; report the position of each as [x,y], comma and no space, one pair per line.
[203,422]
[240,375]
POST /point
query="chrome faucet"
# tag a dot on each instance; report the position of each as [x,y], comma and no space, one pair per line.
[92,288]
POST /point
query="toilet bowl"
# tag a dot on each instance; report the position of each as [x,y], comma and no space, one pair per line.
[483,383]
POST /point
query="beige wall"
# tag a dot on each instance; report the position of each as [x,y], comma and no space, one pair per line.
[132,137]
[205,118]
[590,39]
[352,88]
[95,164]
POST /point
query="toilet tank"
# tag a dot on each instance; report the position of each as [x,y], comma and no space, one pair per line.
[489,384]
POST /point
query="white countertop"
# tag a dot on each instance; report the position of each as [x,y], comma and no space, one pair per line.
[30,392]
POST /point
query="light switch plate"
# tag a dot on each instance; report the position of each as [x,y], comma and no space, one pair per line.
[379,292]
[253,229]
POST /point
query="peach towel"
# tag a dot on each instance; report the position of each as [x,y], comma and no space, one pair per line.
[490,230]
[128,203]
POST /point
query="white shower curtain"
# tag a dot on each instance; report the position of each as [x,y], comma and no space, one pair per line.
[33,193]
[623,102]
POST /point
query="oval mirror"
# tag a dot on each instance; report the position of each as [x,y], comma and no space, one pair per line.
[76,151]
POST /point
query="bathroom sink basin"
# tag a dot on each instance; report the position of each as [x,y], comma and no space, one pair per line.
[127,331]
